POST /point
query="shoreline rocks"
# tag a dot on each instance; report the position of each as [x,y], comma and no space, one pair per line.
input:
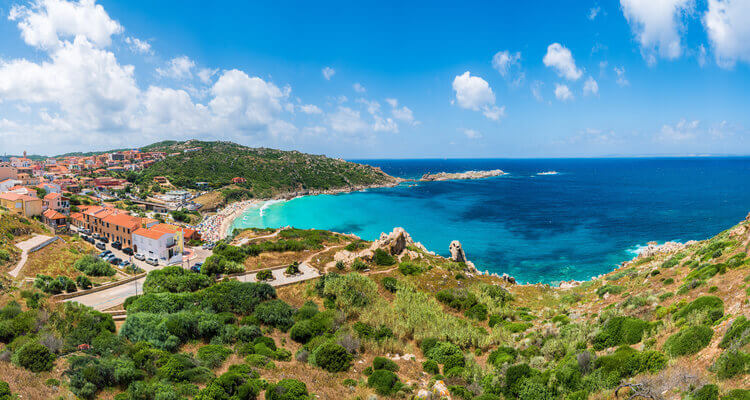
[445,176]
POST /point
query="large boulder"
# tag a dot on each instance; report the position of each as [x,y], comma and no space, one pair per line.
[457,252]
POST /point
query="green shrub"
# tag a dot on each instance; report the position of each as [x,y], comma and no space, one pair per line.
[514,377]
[212,356]
[265,275]
[390,284]
[275,313]
[83,282]
[384,382]
[477,311]
[711,305]
[384,363]
[359,265]
[174,279]
[688,341]
[731,363]
[292,269]
[332,357]
[5,393]
[94,266]
[738,332]
[431,367]
[611,289]
[668,281]
[502,356]
[620,330]
[381,257]
[707,392]
[410,268]
[737,394]
[287,389]
[35,357]
[442,351]
[516,327]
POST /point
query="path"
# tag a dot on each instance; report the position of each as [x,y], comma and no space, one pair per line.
[25,246]
[243,241]
[111,297]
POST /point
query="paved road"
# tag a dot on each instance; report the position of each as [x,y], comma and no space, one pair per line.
[111,297]
[25,246]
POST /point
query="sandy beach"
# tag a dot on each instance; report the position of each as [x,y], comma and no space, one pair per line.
[215,227]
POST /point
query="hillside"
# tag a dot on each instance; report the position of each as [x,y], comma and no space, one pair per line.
[267,171]
[390,319]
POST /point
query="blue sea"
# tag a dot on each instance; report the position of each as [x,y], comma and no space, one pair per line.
[579,223]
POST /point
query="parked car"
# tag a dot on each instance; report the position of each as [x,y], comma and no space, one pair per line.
[128,251]
[104,239]
[100,246]
[124,263]
[152,261]
[117,245]
[196,267]
[105,253]
[115,260]
[139,256]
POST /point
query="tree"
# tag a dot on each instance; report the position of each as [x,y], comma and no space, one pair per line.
[34,357]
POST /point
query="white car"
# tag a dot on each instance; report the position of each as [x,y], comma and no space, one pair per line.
[139,256]
[152,261]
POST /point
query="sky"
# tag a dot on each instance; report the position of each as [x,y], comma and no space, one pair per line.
[379,79]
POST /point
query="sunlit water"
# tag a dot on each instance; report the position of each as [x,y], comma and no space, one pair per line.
[579,223]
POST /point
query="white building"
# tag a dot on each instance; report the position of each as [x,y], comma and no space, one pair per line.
[162,242]
[6,184]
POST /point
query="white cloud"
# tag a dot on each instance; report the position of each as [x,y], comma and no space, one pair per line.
[657,25]
[593,12]
[384,124]
[328,73]
[472,134]
[590,87]
[727,23]
[180,68]
[561,60]
[401,113]
[702,56]
[205,74]
[536,90]
[310,109]
[682,131]
[502,61]
[359,88]
[347,120]
[562,92]
[622,81]
[138,46]
[474,93]
[45,23]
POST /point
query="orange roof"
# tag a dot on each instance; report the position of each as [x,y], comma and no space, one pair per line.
[150,233]
[52,196]
[16,197]
[77,216]
[124,220]
[52,214]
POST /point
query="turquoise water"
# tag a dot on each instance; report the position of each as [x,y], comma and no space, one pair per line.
[577,224]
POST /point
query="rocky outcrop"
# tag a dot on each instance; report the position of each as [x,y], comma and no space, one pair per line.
[396,243]
[457,252]
[445,176]
[654,248]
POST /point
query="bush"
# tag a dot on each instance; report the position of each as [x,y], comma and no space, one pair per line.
[83,282]
[292,269]
[275,313]
[332,357]
[611,289]
[738,332]
[384,363]
[175,279]
[737,394]
[384,382]
[442,351]
[94,266]
[731,363]
[34,357]
[382,257]
[620,330]
[287,389]
[688,341]
[626,362]
[431,367]
[265,275]
[5,393]
[502,356]
[707,392]
[514,377]
[410,268]
[477,311]
[711,305]
[212,356]
[390,284]
[359,265]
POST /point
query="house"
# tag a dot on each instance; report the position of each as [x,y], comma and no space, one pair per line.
[238,180]
[160,180]
[94,218]
[120,228]
[162,242]
[21,204]
[7,183]
[50,187]
[56,201]
[55,220]
[6,171]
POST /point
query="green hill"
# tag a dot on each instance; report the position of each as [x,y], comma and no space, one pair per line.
[266,171]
